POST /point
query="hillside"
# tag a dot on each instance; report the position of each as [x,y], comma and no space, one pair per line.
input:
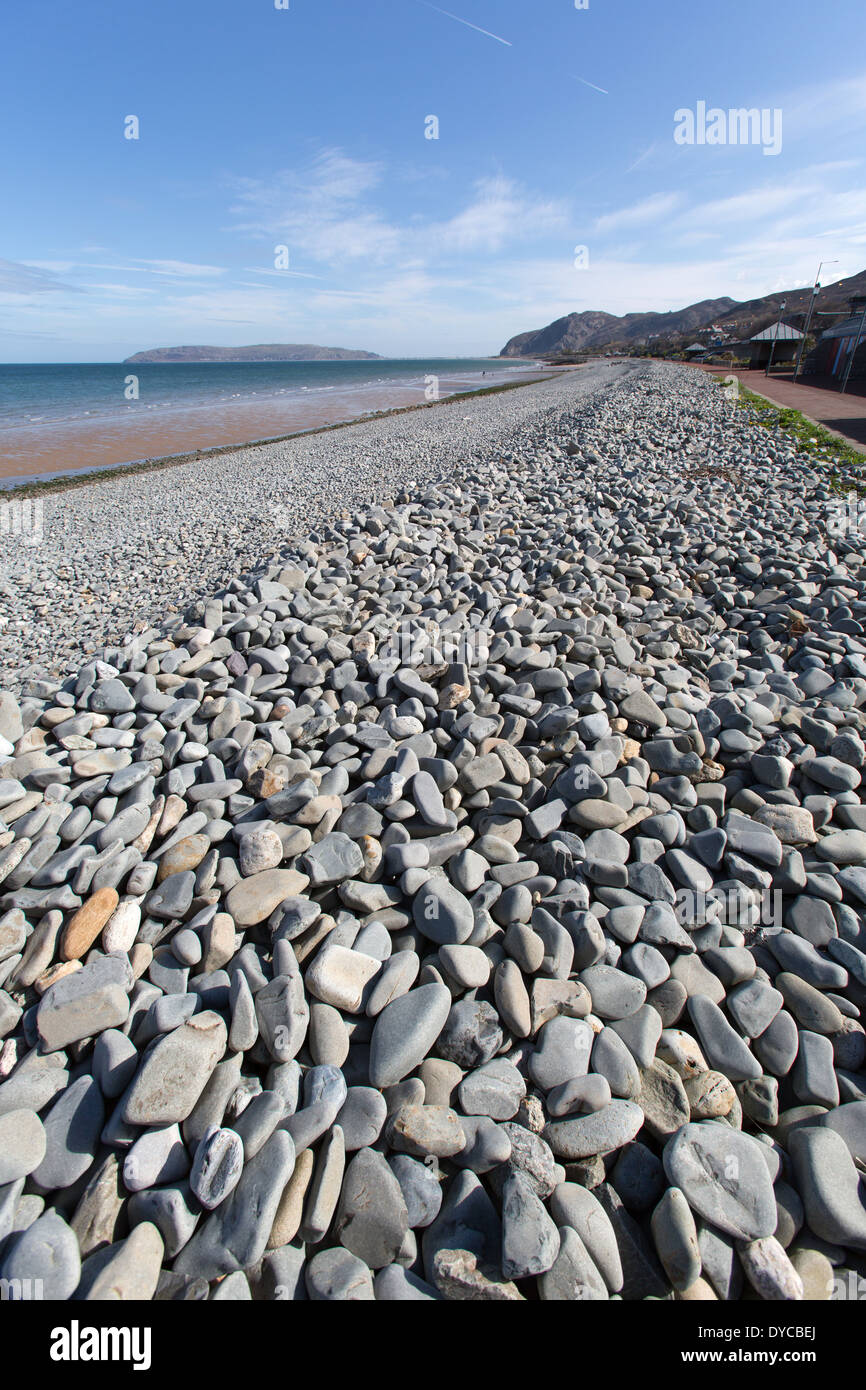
[595,330]
[262,352]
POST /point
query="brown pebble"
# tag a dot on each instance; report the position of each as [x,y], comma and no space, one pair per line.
[186,854]
[140,958]
[87,923]
[56,972]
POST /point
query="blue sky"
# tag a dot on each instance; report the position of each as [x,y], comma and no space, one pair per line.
[305,127]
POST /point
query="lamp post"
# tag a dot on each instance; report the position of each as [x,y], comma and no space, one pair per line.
[776,336]
[815,293]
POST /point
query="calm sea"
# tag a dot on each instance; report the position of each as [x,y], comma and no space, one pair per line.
[42,394]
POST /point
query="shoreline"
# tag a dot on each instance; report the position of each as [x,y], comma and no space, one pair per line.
[103,555]
[21,485]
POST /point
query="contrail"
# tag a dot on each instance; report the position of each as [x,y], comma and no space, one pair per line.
[640,159]
[603,90]
[448,15]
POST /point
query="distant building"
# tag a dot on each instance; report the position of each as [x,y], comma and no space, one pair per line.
[834,348]
[779,339]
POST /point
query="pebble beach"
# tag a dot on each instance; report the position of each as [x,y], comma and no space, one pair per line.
[433,864]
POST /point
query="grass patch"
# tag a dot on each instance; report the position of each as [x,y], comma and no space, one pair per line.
[825,449]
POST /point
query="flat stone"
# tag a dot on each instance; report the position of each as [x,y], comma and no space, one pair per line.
[157,1157]
[614,994]
[530,1239]
[813,1076]
[371,1218]
[85,1003]
[72,1129]
[186,855]
[724,1178]
[46,1257]
[575,1207]
[602,1132]
[427,1129]
[849,1121]
[283,1015]
[843,847]
[340,977]
[676,1238]
[723,1047]
[495,1089]
[830,1186]
[467,965]
[333,858]
[421,1188]
[441,912]
[255,898]
[812,1009]
[776,1048]
[405,1031]
[663,1099]
[640,1032]
[99,1216]
[562,1052]
[235,1235]
[132,1273]
[22,1144]
[338,1276]
[362,1117]
[173,1075]
[753,1006]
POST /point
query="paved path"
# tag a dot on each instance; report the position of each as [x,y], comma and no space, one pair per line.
[844,414]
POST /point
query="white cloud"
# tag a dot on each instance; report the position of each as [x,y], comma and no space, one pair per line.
[501,212]
[327,214]
[649,210]
[320,212]
[182,269]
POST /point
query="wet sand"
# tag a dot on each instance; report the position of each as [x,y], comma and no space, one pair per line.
[143,432]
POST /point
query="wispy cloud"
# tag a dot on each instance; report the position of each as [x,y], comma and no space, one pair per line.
[500,213]
[19,277]
[328,213]
[320,211]
[648,210]
[182,269]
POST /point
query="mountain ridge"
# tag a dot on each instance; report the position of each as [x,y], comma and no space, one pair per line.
[596,329]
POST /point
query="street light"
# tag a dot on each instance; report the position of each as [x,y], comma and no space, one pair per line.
[776,337]
[815,292]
